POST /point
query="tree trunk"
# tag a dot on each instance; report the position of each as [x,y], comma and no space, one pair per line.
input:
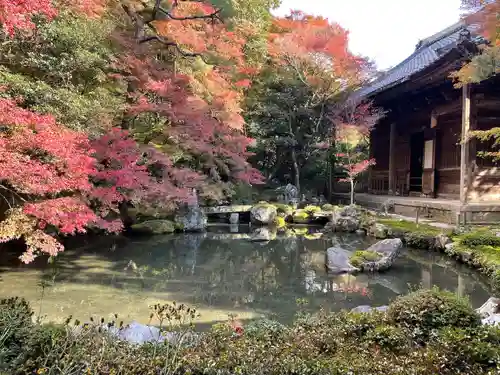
[352,191]
[296,170]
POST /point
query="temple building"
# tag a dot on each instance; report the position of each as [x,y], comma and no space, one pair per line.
[424,157]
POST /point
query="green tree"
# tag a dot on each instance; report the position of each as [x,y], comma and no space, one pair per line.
[64,69]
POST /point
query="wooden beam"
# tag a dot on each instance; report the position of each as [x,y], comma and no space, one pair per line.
[392,160]
[447,108]
[464,149]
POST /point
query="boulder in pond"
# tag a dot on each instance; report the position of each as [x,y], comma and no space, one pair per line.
[389,249]
[154,227]
[337,261]
[263,213]
[301,217]
[347,224]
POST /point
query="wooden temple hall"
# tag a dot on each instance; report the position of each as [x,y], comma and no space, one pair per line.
[423,153]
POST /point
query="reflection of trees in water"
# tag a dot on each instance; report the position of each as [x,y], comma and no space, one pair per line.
[198,269]
[270,276]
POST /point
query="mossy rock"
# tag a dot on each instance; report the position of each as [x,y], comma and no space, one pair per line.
[328,207]
[404,226]
[279,222]
[310,209]
[362,256]
[301,217]
[313,236]
[154,227]
[300,231]
[283,209]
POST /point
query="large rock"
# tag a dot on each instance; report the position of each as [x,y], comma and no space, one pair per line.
[137,333]
[490,311]
[440,242]
[389,249]
[263,213]
[191,219]
[346,224]
[337,261]
[378,230]
[154,227]
[301,217]
[352,211]
[490,307]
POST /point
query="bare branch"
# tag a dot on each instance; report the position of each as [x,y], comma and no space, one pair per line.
[158,13]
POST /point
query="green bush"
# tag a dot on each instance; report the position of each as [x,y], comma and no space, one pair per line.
[390,337]
[480,238]
[375,343]
[16,326]
[467,349]
[426,310]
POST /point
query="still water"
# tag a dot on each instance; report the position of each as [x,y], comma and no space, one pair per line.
[219,274]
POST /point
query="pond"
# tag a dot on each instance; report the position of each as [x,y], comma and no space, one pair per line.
[219,273]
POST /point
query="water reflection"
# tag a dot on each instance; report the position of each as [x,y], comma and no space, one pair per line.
[220,273]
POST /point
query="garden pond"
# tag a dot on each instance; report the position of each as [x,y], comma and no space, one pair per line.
[220,274]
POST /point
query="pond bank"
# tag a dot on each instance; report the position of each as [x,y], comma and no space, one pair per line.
[478,248]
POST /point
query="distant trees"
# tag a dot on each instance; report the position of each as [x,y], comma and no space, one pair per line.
[289,108]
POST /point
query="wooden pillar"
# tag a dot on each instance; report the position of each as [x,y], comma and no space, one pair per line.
[392,160]
[464,149]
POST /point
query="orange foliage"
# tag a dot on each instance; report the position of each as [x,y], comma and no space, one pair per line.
[315,39]
[485,14]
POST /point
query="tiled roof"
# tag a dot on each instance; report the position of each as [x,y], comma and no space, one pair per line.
[427,52]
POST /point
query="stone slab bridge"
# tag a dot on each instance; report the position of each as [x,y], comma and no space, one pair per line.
[235,208]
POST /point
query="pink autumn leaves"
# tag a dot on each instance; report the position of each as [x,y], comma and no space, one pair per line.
[66,183]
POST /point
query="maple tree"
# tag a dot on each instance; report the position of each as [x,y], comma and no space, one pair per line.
[192,111]
[55,164]
[16,15]
[354,122]
[70,184]
[483,15]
